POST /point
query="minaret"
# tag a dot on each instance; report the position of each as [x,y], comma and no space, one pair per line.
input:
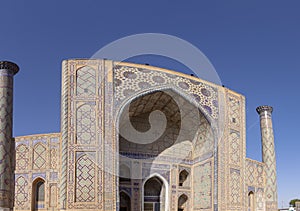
[268,156]
[7,72]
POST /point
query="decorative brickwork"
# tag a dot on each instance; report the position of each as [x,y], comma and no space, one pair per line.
[86,81]
[267,138]
[203,186]
[235,187]
[39,156]
[86,124]
[235,149]
[85,180]
[22,157]
[22,196]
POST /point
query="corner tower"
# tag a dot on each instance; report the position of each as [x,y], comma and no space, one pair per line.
[7,72]
[268,156]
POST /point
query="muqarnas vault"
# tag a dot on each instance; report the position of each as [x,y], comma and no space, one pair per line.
[136,137]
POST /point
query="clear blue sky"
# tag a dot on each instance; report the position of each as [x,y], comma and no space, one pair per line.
[254,46]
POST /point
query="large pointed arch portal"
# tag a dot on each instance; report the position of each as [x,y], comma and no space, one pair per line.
[158,130]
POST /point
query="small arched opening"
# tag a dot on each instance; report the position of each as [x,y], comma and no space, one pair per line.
[182,203]
[125,174]
[125,202]
[251,202]
[38,194]
[183,178]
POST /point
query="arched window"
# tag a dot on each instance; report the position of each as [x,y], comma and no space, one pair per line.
[154,194]
[38,194]
[183,178]
[182,203]
[251,201]
[125,175]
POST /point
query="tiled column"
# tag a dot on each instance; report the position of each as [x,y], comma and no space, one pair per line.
[268,156]
[7,72]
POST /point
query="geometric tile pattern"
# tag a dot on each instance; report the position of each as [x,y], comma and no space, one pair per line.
[6,102]
[39,156]
[53,196]
[235,187]
[85,180]
[269,159]
[234,150]
[21,196]
[53,158]
[260,199]
[86,124]
[130,80]
[203,186]
[204,141]
[234,111]
[22,157]
[254,173]
[86,81]
[36,151]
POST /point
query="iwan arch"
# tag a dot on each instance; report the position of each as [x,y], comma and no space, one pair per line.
[136,137]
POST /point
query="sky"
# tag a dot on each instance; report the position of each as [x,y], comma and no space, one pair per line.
[253,45]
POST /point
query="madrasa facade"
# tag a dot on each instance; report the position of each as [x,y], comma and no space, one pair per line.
[136,138]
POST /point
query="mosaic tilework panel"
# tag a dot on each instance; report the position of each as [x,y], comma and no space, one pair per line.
[234,111]
[260,199]
[6,102]
[202,183]
[131,80]
[53,195]
[204,141]
[86,124]
[21,195]
[269,159]
[22,157]
[234,149]
[43,150]
[85,180]
[255,174]
[39,156]
[235,188]
[86,81]
[53,158]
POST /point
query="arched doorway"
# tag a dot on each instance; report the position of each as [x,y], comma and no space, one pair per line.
[154,194]
[38,194]
[182,203]
[125,202]
[251,202]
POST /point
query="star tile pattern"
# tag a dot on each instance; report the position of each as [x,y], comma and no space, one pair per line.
[129,81]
